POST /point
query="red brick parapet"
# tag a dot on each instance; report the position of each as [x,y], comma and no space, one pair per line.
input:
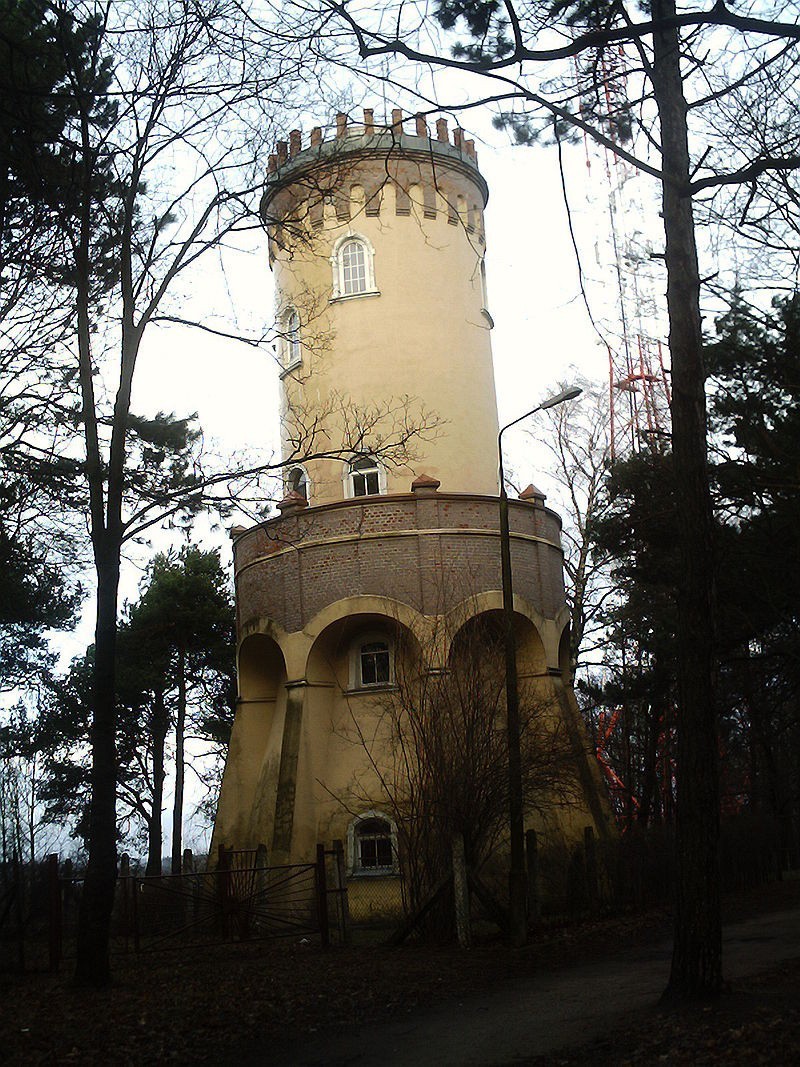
[428,551]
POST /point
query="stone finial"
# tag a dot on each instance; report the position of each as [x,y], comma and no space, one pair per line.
[469,148]
[369,121]
[295,142]
[283,151]
[341,124]
[457,136]
[424,485]
[292,503]
[236,531]
[397,120]
[534,494]
[422,126]
[441,130]
[316,136]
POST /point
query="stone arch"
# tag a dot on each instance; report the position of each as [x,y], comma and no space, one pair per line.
[564,657]
[531,655]
[369,604]
[261,668]
[492,601]
[337,627]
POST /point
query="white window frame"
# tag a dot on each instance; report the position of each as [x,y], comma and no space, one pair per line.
[354,868]
[305,481]
[349,486]
[370,637]
[337,265]
[291,340]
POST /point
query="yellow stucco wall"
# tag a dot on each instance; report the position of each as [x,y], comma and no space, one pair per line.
[422,340]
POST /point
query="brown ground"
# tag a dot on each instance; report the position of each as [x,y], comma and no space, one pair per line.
[191,1008]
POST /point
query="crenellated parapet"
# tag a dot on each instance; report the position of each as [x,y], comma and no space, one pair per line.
[375,169]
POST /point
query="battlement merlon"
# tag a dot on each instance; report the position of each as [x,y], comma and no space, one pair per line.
[291,163]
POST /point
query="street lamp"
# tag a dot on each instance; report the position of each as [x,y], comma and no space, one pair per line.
[516,877]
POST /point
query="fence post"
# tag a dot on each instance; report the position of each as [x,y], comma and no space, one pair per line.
[461,892]
[54,910]
[322,897]
[590,850]
[341,888]
[532,864]
[135,909]
[124,883]
[223,876]
[19,909]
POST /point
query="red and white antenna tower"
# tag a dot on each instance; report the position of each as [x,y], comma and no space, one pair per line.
[637,366]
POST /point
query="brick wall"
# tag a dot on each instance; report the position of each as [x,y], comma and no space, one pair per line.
[428,551]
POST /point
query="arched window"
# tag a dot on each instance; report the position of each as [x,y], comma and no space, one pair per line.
[292,345]
[365,477]
[297,482]
[371,661]
[374,663]
[372,844]
[353,267]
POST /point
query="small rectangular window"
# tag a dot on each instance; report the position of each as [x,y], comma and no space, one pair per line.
[375,663]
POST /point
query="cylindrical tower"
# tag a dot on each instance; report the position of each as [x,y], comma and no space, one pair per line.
[383,569]
[377,244]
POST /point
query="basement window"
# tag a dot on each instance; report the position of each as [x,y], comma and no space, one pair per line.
[372,845]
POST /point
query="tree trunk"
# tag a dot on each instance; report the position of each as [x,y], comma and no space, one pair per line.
[97,900]
[180,726]
[155,834]
[697,952]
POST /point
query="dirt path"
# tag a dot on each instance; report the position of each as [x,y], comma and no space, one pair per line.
[565,1007]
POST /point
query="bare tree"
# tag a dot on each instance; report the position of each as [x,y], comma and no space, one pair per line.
[170,105]
[437,754]
[578,442]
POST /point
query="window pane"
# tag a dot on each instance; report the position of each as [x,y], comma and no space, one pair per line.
[364,477]
[375,663]
[354,268]
[369,852]
[293,338]
[383,851]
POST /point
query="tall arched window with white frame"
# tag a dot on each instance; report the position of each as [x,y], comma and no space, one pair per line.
[292,344]
[353,267]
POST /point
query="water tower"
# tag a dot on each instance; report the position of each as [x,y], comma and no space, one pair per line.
[376,241]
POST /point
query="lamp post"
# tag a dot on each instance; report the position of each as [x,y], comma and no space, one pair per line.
[516,877]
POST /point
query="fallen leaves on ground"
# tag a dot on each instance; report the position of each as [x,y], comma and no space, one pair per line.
[195,1006]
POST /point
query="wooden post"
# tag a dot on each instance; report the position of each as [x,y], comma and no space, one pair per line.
[322,897]
[592,886]
[223,888]
[461,892]
[54,910]
[532,864]
[187,866]
[341,890]
[135,910]
[19,908]
[123,895]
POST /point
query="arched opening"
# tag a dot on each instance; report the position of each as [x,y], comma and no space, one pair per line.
[261,668]
[297,482]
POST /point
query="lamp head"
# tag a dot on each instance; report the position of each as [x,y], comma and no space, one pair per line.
[559,398]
